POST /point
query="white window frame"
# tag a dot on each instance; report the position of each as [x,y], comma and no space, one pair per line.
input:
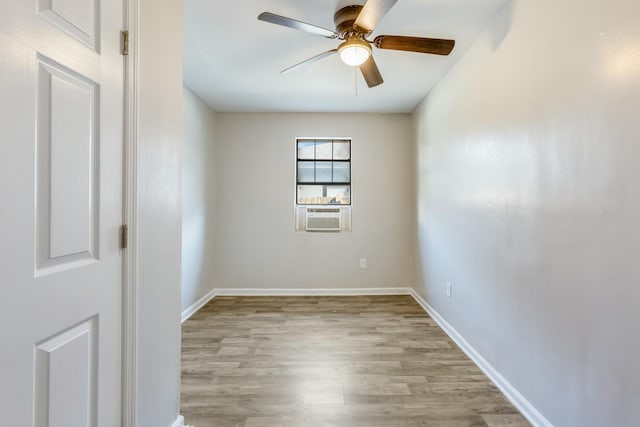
[301,209]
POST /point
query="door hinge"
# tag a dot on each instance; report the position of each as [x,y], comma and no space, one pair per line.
[124,231]
[125,42]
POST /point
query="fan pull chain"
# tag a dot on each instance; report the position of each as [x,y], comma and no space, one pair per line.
[355,79]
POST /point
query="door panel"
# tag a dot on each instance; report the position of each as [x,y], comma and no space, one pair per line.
[78,18]
[66,189]
[61,116]
[65,375]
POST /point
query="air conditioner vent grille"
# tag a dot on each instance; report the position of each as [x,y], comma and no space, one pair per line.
[323,219]
[323,210]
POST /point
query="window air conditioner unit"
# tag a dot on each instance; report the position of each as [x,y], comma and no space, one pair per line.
[323,219]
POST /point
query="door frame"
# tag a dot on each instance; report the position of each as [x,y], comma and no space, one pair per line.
[130,217]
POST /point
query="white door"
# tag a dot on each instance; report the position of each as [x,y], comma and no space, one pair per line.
[61,145]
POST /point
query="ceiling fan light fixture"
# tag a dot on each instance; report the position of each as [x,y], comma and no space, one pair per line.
[354,52]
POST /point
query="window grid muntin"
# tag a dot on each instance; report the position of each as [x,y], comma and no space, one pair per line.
[314,160]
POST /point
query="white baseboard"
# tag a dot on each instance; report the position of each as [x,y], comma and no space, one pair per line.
[179,422]
[517,399]
[190,311]
[232,292]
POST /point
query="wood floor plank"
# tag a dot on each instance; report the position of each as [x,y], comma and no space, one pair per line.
[330,361]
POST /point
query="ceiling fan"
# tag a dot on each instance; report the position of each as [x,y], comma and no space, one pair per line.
[353,25]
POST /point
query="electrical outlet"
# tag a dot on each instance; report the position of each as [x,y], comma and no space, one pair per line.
[449,289]
[363,263]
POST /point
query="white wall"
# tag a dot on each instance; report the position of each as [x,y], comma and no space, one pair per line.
[159,211]
[528,202]
[256,244]
[198,199]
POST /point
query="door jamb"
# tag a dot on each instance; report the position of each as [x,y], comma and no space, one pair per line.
[130,217]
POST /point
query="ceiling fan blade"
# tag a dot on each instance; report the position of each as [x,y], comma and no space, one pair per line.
[309,61]
[415,44]
[371,73]
[372,12]
[297,25]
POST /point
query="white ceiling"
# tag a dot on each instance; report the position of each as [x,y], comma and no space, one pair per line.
[233,61]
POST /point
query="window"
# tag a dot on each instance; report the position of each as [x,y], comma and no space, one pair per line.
[323,171]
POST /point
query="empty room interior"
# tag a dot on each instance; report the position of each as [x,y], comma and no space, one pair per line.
[495,188]
[355,213]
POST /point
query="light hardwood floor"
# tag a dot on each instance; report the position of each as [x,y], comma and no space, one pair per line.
[330,361]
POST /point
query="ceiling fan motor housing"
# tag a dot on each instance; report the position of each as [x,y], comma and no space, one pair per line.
[345,19]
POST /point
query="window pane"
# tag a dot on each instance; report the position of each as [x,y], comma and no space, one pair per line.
[323,171]
[324,149]
[321,163]
[306,172]
[310,194]
[324,194]
[341,172]
[339,194]
[341,150]
[306,149]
